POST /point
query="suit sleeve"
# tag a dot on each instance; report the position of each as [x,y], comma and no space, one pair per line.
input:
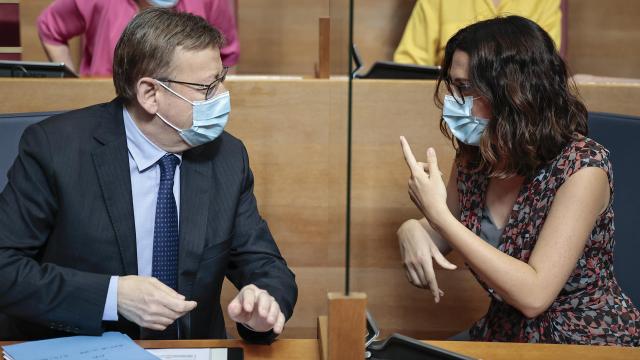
[255,258]
[43,293]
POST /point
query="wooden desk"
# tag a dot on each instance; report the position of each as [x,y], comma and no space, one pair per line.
[308,349]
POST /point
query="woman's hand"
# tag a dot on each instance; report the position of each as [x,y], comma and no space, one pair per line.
[417,250]
[426,187]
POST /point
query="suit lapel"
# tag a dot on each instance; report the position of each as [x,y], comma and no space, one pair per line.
[112,166]
[196,185]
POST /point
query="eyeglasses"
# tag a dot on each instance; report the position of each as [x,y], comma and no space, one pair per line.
[460,90]
[210,89]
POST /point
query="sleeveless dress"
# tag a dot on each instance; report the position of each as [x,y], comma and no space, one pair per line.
[590,308]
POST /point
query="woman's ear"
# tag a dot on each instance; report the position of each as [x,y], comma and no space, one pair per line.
[147,94]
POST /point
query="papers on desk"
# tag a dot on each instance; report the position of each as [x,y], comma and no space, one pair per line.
[190,354]
[109,346]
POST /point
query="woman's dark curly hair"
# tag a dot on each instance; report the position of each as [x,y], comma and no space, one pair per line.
[514,66]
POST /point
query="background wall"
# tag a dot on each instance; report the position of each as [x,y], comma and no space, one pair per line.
[281,37]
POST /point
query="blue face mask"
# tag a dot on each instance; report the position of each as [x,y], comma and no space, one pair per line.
[209,118]
[163,3]
[464,126]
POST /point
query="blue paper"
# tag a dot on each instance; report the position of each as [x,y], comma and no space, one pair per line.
[109,346]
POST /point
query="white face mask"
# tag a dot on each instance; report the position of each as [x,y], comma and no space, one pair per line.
[209,118]
[466,127]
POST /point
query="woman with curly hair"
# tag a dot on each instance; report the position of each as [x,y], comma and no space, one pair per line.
[529,200]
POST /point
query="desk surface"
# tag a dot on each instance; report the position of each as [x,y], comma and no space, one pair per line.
[303,349]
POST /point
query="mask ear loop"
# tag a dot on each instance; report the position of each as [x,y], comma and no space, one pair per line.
[173,92]
[168,123]
[176,94]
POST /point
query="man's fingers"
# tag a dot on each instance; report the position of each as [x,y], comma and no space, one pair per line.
[235,308]
[157,323]
[248,299]
[236,311]
[279,326]
[264,304]
[178,306]
[274,310]
[166,290]
[408,155]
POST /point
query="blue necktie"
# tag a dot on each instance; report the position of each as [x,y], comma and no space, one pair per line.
[165,233]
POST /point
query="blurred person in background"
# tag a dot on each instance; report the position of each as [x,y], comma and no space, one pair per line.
[102,22]
[433,22]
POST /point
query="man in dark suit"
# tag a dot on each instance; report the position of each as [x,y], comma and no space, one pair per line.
[128,215]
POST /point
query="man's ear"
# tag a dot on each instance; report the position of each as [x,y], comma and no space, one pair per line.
[147,91]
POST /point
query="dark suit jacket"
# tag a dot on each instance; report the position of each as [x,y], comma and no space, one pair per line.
[66,225]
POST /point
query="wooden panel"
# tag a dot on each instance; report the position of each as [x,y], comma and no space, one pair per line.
[604,37]
[26,95]
[278,37]
[611,97]
[295,132]
[378,27]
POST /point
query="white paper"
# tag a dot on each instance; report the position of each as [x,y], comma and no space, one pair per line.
[190,354]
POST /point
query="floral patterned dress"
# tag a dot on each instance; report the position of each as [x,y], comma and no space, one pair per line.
[590,308]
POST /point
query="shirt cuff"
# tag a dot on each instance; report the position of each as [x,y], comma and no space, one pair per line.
[111,305]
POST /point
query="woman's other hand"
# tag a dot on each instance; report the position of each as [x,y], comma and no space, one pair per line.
[418,250]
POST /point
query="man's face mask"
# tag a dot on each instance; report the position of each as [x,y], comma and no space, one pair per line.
[163,3]
[209,118]
[466,127]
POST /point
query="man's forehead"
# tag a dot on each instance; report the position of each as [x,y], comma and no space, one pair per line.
[197,64]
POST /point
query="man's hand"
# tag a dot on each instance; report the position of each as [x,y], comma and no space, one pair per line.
[149,303]
[256,309]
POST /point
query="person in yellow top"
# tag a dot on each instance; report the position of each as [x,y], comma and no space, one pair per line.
[434,22]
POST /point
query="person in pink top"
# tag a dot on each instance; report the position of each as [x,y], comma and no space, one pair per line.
[101,22]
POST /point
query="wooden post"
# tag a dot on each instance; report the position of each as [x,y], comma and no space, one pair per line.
[324,48]
[347,326]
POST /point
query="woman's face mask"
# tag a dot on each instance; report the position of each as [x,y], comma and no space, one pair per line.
[466,127]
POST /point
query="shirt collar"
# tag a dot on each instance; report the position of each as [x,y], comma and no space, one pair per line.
[143,151]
